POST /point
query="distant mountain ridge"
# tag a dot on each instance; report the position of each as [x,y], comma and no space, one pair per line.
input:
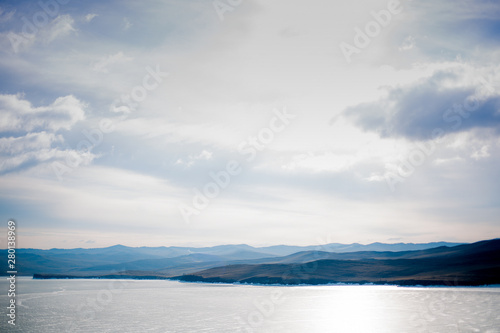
[283,250]
[174,260]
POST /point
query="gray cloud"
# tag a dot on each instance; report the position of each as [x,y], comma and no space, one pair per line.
[429,108]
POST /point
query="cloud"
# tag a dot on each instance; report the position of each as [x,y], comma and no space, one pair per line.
[481,153]
[18,115]
[408,44]
[90,17]
[430,30]
[126,24]
[29,142]
[6,16]
[30,34]
[204,155]
[33,158]
[103,64]
[61,26]
[443,103]
[225,79]
[29,135]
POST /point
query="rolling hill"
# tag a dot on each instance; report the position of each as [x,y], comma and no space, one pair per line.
[471,264]
[172,261]
[432,263]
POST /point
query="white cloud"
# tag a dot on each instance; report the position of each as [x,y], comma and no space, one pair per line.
[126,24]
[481,153]
[37,158]
[408,44]
[90,17]
[30,35]
[103,64]
[451,160]
[31,132]
[204,155]
[18,114]
[61,26]
[6,16]
[29,142]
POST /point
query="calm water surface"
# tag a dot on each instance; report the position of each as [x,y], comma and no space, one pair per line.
[167,306]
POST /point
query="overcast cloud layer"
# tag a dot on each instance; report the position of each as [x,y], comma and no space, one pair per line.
[261,122]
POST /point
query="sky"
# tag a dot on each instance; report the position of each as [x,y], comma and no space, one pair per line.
[197,123]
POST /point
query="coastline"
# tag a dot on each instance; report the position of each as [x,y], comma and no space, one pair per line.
[400,283]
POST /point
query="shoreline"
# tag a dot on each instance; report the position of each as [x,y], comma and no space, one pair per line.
[399,284]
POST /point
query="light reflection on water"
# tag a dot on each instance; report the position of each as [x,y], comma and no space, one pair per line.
[166,306]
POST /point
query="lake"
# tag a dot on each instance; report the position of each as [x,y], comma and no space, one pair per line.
[169,306]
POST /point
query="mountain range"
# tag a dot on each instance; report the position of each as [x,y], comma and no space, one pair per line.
[430,263]
[462,265]
[171,261]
